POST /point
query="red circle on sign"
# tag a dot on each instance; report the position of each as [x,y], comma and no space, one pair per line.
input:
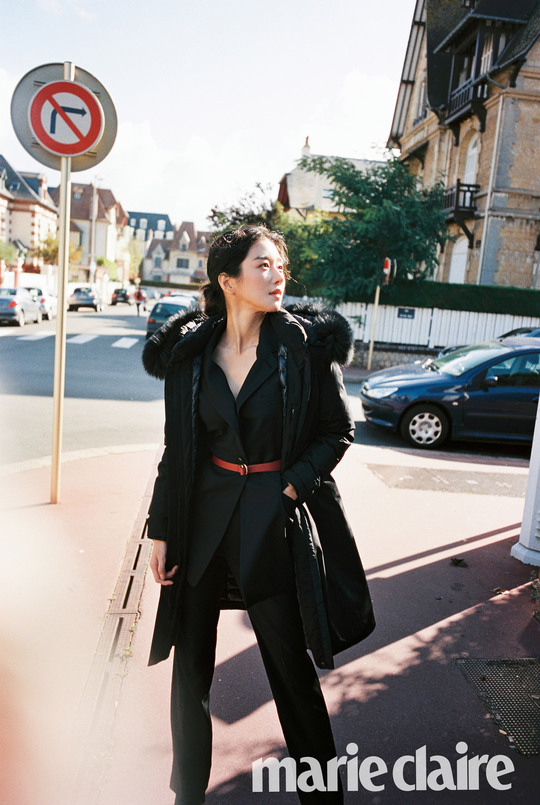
[84,141]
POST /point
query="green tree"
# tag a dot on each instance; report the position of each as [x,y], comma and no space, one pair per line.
[257,207]
[110,266]
[136,250]
[382,212]
[8,252]
[48,251]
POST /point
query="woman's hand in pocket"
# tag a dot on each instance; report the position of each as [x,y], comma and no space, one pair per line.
[289,499]
[290,491]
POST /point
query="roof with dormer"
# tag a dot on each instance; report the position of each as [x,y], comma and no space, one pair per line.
[194,240]
[152,219]
[21,186]
[82,199]
[445,23]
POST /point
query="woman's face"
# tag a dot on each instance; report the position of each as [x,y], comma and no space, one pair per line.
[261,283]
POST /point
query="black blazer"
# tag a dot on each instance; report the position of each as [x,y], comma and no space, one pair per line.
[247,430]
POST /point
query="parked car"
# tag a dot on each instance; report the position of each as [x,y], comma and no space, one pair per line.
[47,302]
[18,306]
[85,297]
[189,299]
[122,295]
[486,391]
[163,310]
[152,294]
[530,332]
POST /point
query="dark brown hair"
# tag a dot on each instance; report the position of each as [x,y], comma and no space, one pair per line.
[226,255]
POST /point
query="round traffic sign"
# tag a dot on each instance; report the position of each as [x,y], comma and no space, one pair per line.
[66,118]
[53,132]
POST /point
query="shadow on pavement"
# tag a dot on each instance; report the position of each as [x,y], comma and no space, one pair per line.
[400,689]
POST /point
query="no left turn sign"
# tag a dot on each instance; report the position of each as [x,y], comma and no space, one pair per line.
[66,118]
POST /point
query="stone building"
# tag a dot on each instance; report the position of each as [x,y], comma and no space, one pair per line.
[180,259]
[468,112]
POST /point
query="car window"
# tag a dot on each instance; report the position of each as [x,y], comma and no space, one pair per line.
[519,370]
[8,291]
[462,360]
[162,309]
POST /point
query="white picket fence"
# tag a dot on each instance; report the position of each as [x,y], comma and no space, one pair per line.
[430,328]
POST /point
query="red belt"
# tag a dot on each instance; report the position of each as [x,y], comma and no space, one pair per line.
[244,469]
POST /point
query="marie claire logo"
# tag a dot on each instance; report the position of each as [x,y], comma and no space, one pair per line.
[416,772]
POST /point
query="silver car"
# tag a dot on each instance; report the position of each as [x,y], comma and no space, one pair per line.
[47,302]
[18,306]
[85,297]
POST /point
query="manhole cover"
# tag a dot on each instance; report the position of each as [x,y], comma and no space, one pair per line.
[510,691]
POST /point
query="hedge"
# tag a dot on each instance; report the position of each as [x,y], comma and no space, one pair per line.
[478,298]
[185,286]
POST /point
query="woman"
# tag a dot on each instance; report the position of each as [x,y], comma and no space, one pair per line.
[244,511]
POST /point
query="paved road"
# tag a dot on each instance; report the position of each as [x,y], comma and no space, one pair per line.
[109,399]
[111,402]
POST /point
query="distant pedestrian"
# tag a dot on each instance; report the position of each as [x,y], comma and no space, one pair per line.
[140,296]
[244,512]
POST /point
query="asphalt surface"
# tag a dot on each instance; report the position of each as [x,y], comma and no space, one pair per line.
[109,398]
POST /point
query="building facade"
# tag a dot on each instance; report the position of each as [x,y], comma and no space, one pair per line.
[180,259]
[99,228]
[28,214]
[147,226]
[303,193]
[468,113]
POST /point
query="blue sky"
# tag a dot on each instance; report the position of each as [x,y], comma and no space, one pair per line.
[214,96]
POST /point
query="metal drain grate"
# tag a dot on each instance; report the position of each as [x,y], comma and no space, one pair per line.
[510,691]
[95,719]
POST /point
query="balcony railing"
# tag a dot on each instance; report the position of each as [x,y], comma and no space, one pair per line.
[459,200]
[464,96]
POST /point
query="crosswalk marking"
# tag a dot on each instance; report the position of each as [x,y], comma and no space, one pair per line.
[124,343]
[34,336]
[82,338]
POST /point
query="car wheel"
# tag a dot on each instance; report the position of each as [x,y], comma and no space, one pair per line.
[425,426]
[21,321]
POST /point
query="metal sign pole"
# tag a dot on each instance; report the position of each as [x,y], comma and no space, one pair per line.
[60,342]
[373,323]
[49,125]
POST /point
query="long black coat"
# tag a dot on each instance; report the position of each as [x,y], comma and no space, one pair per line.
[317,429]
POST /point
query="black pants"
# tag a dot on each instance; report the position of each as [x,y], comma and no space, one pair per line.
[291,674]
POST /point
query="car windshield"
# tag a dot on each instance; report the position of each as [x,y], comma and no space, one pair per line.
[461,360]
[8,291]
[162,309]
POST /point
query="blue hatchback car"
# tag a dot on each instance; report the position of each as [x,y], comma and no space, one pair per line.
[483,392]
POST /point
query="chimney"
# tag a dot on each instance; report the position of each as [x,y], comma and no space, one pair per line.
[306,150]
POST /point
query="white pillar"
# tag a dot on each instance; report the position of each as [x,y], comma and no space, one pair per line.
[527,550]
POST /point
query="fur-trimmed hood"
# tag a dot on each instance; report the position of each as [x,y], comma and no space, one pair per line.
[186,332]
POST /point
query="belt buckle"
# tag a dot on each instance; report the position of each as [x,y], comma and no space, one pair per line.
[244,469]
